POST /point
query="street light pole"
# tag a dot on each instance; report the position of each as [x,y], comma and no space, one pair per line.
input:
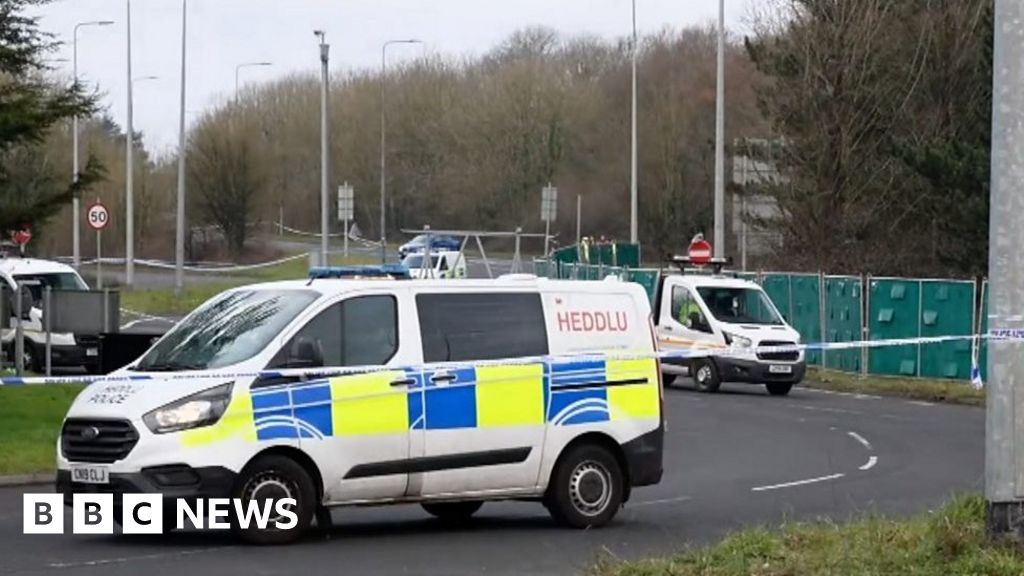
[129,245]
[179,233]
[719,246]
[634,234]
[247,65]
[76,201]
[383,145]
[325,56]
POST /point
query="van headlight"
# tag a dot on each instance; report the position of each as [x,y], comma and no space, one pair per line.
[202,409]
[738,341]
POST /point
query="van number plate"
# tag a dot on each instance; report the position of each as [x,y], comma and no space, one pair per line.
[780,369]
[90,475]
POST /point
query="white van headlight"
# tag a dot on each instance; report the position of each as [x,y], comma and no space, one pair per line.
[195,411]
[738,341]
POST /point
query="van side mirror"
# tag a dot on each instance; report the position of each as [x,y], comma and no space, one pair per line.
[305,353]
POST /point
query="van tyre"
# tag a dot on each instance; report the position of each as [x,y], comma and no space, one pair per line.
[276,477]
[778,388]
[667,380]
[586,487]
[31,358]
[705,376]
[452,512]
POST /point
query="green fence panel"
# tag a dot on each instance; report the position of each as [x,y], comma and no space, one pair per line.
[646,278]
[894,312]
[947,309]
[983,351]
[567,254]
[806,309]
[777,286]
[843,320]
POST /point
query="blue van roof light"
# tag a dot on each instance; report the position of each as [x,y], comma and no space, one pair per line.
[396,271]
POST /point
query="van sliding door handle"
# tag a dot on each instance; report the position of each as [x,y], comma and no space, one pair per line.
[404,382]
[442,378]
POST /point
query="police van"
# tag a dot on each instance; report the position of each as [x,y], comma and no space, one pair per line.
[734,319]
[456,393]
[440,264]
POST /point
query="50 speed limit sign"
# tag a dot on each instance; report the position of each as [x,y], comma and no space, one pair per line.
[98,216]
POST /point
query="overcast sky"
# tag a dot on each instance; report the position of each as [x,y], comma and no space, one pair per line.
[224,33]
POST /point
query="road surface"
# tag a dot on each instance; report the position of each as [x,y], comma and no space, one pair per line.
[734,459]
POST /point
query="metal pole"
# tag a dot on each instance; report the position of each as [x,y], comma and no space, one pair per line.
[346,239]
[547,235]
[325,50]
[129,244]
[719,245]
[99,260]
[1004,458]
[517,257]
[280,219]
[238,69]
[76,252]
[19,333]
[47,303]
[743,215]
[179,234]
[633,225]
[579,219]
[383,157]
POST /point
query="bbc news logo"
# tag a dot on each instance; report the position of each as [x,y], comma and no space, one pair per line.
[144,514]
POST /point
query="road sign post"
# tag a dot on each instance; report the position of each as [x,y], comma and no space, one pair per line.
[548,212]
[346,208]
[98,218]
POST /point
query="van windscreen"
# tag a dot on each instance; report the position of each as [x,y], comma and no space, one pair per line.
[492,326]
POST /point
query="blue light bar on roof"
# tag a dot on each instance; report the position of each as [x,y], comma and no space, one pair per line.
[351,272]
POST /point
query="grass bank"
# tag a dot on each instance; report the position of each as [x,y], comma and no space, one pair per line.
[30,419]
[164,302]
[948,391]
[948,541]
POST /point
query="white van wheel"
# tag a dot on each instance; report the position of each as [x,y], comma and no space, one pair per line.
[273,477]
[705,375]
[586,487]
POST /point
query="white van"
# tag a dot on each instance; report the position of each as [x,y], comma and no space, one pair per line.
[733,316]
[435,411]
[68,350]
[441,264]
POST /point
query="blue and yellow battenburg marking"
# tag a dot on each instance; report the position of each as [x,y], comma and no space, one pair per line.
[559,392]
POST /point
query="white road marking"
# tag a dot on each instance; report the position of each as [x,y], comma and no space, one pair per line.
[106,561]
[920,403]
[663,501]
[871,463]
[860,439]
[798,483]
[858,396]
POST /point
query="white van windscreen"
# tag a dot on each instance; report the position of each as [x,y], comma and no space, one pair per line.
[228,329]
[739,305]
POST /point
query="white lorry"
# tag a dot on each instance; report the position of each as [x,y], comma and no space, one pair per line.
[733,317]
[34,275]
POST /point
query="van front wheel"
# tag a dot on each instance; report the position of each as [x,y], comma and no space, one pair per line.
[705,375]
[267,480]
[778,388]
[586,488]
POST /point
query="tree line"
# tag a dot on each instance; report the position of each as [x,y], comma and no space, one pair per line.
[877,114]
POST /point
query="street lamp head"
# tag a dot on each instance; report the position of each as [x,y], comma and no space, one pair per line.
[105,23]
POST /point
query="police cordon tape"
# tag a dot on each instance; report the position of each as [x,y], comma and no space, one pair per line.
[684,351]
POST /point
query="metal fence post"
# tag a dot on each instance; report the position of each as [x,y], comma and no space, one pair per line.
[19,333]
[47,308]
[920,322]
[865,323]
[823,317]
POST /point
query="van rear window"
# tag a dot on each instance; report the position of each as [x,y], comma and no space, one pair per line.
[461,327]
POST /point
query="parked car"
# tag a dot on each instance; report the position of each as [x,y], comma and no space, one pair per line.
[437,244]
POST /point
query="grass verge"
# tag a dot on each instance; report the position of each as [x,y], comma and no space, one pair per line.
[164,302]
[30,419]
[948,541]
[948,391]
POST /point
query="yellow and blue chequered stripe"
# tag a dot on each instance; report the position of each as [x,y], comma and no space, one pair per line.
[558,392]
